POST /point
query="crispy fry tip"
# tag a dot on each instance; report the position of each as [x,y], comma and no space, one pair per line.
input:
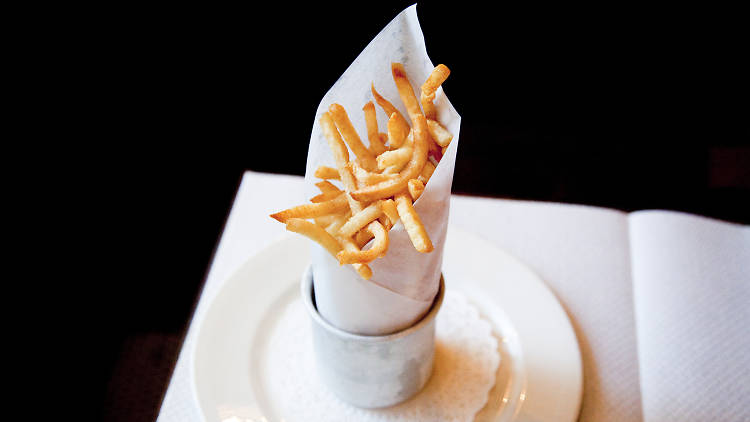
[278,218]
[398,70]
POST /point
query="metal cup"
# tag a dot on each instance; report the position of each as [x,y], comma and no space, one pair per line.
[373,371]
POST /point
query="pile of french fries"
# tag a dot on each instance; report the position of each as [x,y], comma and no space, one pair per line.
[379,187]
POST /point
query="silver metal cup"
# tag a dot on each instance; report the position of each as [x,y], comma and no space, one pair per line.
[373,371]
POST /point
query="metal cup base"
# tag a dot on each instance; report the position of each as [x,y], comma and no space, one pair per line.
[373,371]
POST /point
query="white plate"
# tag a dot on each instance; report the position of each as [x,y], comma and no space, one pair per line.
[539,378]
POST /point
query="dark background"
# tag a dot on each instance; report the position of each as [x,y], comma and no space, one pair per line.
[628,107]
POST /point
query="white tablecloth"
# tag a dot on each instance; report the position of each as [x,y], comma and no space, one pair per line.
[581,252]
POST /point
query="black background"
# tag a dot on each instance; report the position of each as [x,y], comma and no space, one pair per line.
[628,107]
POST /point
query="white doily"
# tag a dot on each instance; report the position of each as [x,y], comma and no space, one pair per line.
[466,359]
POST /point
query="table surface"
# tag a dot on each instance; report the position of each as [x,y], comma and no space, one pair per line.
[562,243]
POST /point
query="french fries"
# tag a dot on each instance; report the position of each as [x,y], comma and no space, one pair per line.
[344,125]
[385,104]
[340,153]
[392,170]
[363,237]
[389,209]
[362,269]
[433,82]
[413,224]
[326,186]
[381,182]
[378,247]
[328,191]
[416,187]
[325,196]
[335,225]
[361,219]
[390,188]
[441,135]
[333,206]
[384,139]
[365,177]
[314,232]
[328,221]
[396,158]
[398,129]
[426,173]
[377,145]
[341,157]
[324,172]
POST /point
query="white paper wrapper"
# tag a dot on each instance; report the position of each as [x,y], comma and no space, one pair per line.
[404,282]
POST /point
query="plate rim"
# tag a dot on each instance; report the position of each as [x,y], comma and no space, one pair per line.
[544,293]
[461,233]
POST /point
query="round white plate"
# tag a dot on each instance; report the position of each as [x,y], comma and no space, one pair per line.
[539,378]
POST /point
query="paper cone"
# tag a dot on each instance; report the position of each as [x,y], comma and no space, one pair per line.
[404,281]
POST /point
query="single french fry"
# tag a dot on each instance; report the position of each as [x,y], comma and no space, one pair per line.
[384,104]
[326,186]
[427,171]
[345,127]
[427,96]
[440,134]
[363,270]
[377,145]
[341,158]
[325,196]
[415,187]
[316,233]
[434,147]
[389,209]
[418,159]
[405,91]
[412,223]
[361,219]
[333,206]
[398,129]
[379,246]
[439,74]
[325,172]
[394,158]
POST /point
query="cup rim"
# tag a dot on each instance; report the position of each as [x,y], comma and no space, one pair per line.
[307,286]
